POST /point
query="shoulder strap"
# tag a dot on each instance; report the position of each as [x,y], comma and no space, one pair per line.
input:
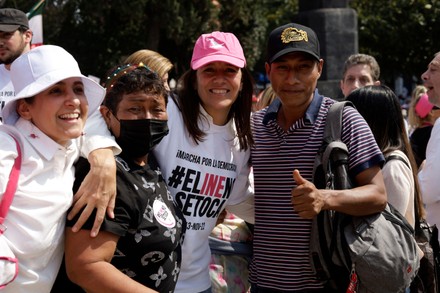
[396,157]
[12,184]
[333,123]
[417,217]
[333,129]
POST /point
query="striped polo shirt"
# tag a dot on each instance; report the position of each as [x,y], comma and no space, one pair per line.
[281,239]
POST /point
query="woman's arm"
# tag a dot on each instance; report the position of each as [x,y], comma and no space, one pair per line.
[399,184]
[98,190]
[99,187]
[88,264]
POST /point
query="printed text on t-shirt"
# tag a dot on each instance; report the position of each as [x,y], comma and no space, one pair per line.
[200,195]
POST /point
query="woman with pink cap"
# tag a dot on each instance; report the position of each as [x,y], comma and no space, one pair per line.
[205,157]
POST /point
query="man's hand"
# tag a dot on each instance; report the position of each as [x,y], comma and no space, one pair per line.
[307,201]
[98,190]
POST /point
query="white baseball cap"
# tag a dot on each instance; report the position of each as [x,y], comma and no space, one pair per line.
[41,68]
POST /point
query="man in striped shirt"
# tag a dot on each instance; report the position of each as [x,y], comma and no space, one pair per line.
[287,136]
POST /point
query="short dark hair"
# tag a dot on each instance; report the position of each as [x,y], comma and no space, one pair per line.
[135,78]
[23,29]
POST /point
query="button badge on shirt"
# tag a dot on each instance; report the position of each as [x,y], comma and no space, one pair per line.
[163,214]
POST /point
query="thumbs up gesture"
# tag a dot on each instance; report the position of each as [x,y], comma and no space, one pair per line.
[307,200]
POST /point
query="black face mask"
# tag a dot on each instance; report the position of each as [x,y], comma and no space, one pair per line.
[138,137]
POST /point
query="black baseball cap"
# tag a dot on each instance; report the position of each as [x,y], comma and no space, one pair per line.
[11,19]
[290,38]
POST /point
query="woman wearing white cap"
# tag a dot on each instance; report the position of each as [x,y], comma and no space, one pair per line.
[205,157]
[47,117]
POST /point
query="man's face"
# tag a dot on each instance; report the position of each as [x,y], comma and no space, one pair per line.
[357,76]
[12,45]
[294,77]
[431,80]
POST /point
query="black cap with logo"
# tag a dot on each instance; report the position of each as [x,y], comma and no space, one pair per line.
[290,38]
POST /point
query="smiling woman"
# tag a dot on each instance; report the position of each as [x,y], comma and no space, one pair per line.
[218,84]
[209,119]
[60,111]
[47,117]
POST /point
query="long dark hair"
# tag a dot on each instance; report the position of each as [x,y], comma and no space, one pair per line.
[381,109]
[188,101]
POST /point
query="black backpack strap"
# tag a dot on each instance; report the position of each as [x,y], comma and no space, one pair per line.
[396,157]
[333,131]
[328,238]
[333,127]
[333,123]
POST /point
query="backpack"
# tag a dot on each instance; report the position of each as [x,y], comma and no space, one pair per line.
[428,276]
[374,253]
[426,280]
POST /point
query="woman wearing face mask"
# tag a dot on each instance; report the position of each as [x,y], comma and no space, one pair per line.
[139,250]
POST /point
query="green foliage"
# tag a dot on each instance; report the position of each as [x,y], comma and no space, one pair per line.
[247,21]
[101,33]
[402,34]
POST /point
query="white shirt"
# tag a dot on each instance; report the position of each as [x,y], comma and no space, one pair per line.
[6,87]
[429,177]
[44,193]
[399,183]
[35,222]
[37,215]
[204,179]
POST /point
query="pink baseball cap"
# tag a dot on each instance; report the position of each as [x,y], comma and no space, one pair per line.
[217,46]
[423,106]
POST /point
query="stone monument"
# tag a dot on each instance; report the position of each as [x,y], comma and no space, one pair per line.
[336,26]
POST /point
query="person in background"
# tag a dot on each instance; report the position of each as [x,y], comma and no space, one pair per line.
[15,39]
[430,168]
[266,98]
[205,157]
[140,249]
[47,116]
[155,61]
[98,189]
[359,70]
[421,118]
[288,135]
[254,102]
[412,116]
[381,109]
